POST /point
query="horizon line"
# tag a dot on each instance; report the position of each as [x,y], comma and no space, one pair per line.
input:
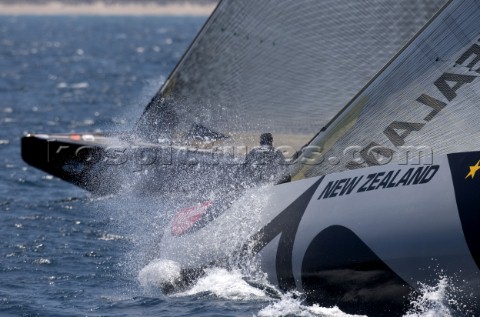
[103,9]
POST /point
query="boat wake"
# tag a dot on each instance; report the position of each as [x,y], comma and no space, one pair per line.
[235,286]
[290,305]
[230,285]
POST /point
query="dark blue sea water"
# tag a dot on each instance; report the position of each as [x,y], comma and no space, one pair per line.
[64,252]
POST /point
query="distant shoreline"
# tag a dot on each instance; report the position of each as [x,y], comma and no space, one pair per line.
[100,8]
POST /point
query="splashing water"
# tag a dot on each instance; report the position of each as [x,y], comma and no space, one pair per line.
[159,273]
[290,305]
[225,284]
[433,300]
[233,285]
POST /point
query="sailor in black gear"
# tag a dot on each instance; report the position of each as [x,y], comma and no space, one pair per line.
[264,162]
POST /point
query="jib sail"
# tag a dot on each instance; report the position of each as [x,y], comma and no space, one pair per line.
[280,66]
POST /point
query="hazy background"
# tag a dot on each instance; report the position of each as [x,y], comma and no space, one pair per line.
[107,7]
[77,2]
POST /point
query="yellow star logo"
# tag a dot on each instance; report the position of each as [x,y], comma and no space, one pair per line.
[473,170]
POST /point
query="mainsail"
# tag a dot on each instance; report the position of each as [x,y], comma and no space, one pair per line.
[280,66]
[424,102]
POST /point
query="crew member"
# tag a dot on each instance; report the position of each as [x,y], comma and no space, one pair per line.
[264,162]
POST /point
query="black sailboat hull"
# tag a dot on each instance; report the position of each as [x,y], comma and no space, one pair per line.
[361,240]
